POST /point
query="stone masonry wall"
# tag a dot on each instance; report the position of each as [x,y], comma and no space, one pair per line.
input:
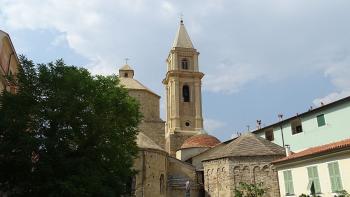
[151,177]
[179,173]
[152,125]
[174,141]
[154,130]
[222,176]
[149,104]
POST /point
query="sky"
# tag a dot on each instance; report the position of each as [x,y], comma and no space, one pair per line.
[260,58]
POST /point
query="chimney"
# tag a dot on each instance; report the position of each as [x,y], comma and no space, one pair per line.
[287,148]
[258,124]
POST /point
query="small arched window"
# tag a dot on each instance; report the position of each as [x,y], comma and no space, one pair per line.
[161,183]
[131,186]
[186,93]
[184,64]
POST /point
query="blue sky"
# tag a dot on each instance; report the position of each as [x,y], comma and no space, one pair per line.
[260,57]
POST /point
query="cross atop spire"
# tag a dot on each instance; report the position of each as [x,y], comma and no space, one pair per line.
[182,39]
[126,60]
[181,18]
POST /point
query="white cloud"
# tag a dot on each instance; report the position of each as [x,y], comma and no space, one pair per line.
[229,78]
[338,73]
[213,126]
[257,39]
[331,97]
[94,29]
[59,40]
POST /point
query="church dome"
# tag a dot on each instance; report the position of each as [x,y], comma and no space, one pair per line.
[200,141]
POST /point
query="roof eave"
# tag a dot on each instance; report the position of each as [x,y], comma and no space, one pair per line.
[326,153]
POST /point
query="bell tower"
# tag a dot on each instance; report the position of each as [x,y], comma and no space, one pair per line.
[183,92]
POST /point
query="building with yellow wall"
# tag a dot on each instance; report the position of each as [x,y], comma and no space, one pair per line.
[8,62]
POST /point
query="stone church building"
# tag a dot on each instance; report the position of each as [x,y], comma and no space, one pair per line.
[177,157]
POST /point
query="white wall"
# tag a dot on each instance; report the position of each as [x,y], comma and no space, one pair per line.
[300,175]
[337,128]
[186,153]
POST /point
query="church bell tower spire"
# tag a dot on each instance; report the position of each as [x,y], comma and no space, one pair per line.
[183,92]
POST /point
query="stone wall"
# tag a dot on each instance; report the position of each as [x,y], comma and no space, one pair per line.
[197,160]
[222,176]
[179,173]
[152,125]
[8,62]
[151,177]
[154,130]
[149,104]
[217,178]
[174,141]
[161,175]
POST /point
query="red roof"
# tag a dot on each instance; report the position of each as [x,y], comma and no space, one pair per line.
[336,146]
[201,140]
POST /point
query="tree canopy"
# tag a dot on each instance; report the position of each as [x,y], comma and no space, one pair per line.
[66,133]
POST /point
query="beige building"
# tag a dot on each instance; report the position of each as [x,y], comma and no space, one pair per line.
[8,62]
[324,169]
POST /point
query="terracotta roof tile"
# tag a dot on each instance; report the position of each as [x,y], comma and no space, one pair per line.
[317,150]
[201,140]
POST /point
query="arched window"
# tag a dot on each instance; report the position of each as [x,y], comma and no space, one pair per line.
[161,183]
[186,93]
[125,74]
[131,186]
[184,64]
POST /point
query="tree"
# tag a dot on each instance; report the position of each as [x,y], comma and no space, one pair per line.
[66,133]
[250,190]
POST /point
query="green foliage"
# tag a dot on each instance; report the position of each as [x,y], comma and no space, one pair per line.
[66,133]
[343,193]
[250,190]
[304,195]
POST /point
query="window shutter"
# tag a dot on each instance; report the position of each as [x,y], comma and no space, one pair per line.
[286,185]
[334,174]
[288,182]
[331,176]
[310,173]
[320,120]
[338,177]
[317,181]
[313,177]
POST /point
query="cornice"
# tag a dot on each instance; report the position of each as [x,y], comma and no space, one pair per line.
[176,73]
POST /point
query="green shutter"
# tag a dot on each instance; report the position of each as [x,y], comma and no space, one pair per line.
[313,177]
[334,174]
[320,120]
[288,182]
